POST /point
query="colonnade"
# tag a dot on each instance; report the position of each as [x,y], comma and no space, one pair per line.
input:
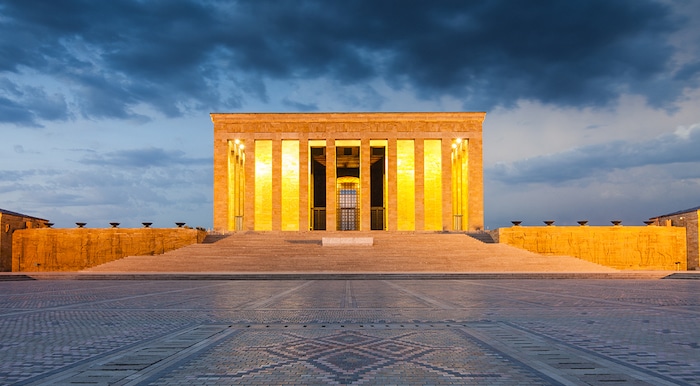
[364,171]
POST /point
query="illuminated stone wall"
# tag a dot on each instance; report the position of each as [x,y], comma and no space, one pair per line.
[47,249]
[276,188]
[263,185]
[621,247]
[405,185]
[9,223]
[290,185]
[432,184]
[689,221]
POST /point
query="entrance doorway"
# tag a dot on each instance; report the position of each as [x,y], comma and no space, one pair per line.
[317,188]
[348,189]
[377,187]
[348,203]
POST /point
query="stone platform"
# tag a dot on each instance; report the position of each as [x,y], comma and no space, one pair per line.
[303,252]
[436,310]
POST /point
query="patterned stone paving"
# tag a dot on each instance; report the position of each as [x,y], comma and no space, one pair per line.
[319,332]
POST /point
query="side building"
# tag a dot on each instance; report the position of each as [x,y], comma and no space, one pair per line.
[348,171]
[688,219]
[10,222]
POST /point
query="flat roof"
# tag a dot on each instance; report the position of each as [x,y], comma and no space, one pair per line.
[5,211]
[695,209]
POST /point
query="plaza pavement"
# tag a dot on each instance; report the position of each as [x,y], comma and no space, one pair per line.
[380,331]
[415,309]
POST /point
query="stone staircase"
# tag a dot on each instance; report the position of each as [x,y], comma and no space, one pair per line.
[391,252]
[484,237]
[211,238]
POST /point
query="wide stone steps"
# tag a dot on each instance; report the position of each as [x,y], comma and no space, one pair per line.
[390,252]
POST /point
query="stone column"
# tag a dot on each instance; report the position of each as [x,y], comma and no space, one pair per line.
[447,220]
[365,180]
[331,222]
[476,185]
[249,202]
[222,188]
[392,206]
[276,184]
[419,174]
[304,183]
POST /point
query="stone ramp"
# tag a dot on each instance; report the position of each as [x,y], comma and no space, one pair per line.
[391,252]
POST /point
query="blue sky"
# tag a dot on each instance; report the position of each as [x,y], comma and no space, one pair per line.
[592,106]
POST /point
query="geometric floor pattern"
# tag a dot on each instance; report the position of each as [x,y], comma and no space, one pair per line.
[418,356]
[347,357]
[360,332]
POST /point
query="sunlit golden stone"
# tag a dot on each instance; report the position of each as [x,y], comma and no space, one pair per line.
[290,185]
[432,177]
[285,156]
[405,185]
[263,185]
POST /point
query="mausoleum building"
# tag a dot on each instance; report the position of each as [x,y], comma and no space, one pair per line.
[348,171]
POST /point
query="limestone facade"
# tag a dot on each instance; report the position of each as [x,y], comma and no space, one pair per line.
[48,249]
[687,219]
[620,247]
[348,171]
[9,223]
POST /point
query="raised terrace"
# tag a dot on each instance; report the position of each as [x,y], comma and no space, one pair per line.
[389,252]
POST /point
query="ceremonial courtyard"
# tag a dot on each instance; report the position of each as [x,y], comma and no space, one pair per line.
[379,332]
[349,248]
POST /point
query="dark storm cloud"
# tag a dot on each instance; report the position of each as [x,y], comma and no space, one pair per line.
[179,55]
[26,105]
[677,148]
[144,158]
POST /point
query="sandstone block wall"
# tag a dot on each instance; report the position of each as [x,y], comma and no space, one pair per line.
[620,247]
[689,220]
[47,249]
[8,225]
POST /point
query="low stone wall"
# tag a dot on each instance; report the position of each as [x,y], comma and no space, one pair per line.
[620,247]
[48,249]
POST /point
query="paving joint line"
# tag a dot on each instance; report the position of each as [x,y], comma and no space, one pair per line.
[260,303]
[576,362]
[143,342]
[599,357]
[157,370]
[614,302]
[425,298]
[83,304]
[75,372]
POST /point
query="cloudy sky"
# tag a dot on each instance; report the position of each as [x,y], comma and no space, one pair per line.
[593,107]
